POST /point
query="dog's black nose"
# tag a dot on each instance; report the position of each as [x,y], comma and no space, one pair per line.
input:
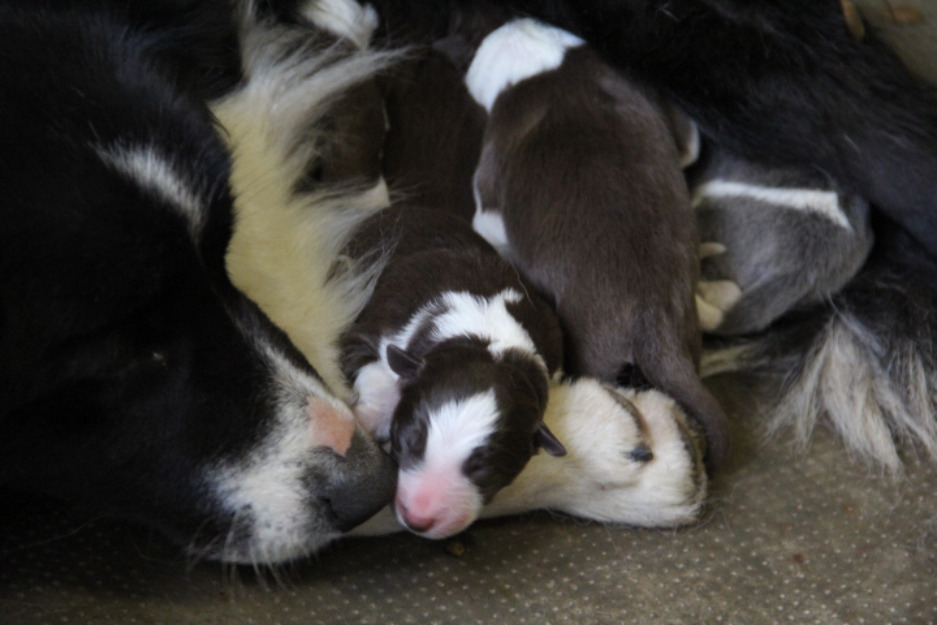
[364,484]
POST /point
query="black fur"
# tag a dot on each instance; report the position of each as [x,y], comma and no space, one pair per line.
[130,367]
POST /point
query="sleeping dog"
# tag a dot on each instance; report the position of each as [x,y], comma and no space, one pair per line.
[580,185]
[450,361]
[134,378]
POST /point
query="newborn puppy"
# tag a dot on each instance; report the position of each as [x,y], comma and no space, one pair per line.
[580,185]
[451,361]
[774,239]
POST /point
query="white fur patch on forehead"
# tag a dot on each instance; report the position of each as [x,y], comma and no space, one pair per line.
[154,172]
[486,318]
[455,429]
[346,19]
[823,203]
[465,314]
[520,49]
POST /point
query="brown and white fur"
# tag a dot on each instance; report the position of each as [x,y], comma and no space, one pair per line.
[631,459]
[580,185]
[450,360]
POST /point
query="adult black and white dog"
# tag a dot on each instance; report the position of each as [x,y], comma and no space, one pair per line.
[134,378]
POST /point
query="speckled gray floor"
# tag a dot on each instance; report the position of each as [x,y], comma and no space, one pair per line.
[789,537]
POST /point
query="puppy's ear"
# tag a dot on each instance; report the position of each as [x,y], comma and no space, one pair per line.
[403,363]
[545,439]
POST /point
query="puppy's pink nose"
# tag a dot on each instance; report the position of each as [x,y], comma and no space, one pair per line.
[415,522]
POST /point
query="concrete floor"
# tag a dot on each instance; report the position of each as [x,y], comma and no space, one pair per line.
[789,537]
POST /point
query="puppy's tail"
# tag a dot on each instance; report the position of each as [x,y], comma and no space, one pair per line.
[864,363]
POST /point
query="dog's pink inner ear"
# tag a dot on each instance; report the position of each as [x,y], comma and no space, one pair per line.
[331,426]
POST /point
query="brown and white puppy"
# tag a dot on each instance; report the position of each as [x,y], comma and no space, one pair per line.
[451,361]
[580,185]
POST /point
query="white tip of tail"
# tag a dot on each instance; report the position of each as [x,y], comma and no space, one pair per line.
[879,401]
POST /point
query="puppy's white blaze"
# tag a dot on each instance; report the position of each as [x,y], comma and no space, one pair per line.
[486,318]
[490,225]
[516,51]
[824,203]
[437,487]
[344,18]
[152,171]
[457,428]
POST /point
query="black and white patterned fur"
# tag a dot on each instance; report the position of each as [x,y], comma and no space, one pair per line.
[451,361]
[580,185]
[135,379]
[773,239]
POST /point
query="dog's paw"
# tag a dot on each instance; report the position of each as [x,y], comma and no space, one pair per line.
[631,459]
[714,298]
[376,398]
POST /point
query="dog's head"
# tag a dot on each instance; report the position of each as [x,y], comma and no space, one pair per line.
[466,426]
[134,378]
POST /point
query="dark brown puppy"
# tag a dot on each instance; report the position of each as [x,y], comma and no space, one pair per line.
[583,165]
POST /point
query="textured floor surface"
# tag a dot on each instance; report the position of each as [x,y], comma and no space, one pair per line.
[789,537]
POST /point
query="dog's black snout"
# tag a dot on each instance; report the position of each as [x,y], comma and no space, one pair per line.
[365,484]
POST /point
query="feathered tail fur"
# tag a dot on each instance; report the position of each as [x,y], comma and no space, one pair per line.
[865,362]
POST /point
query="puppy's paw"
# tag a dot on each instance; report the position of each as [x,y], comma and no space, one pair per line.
[377,396]
[714,298]
[631,459]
